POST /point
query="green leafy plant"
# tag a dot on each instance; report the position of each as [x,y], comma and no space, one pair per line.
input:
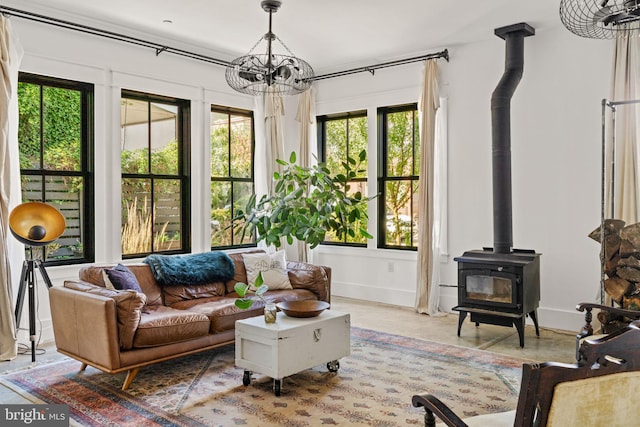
[307,203]
[243,290]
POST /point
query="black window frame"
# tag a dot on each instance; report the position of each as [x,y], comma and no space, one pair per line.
[183,125]
[383,176]
[322,121]
[86,173]
[229,111]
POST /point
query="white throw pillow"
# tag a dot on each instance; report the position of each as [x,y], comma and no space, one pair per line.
[272,266]
[107,282]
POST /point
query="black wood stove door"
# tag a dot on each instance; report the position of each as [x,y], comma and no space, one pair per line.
[489,288]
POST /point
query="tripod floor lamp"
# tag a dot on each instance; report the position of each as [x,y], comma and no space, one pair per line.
[34,224]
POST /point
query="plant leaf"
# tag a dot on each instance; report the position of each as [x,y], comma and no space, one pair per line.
[259,280]
[241,289]
[261,290]
[243,303]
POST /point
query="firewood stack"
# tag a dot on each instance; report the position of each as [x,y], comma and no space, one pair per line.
[621,250]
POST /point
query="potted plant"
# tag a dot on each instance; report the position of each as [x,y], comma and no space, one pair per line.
[244,290]
[307,203]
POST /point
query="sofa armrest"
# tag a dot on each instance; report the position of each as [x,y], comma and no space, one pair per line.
[85,325]
[315,278]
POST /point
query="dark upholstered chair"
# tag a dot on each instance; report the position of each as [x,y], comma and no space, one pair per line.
[610,318]
[600,390]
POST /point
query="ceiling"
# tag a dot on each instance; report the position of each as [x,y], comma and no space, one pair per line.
[331,35]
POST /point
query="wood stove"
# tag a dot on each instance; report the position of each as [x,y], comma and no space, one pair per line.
[501,285]
[499,289]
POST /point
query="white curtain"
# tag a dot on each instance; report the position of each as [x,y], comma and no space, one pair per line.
[624,87]
[274,135]
[306,117]
[427,263]
[11,252]
[269,113]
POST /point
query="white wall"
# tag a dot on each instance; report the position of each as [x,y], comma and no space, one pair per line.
[111,67]
[555,134]
[555,166]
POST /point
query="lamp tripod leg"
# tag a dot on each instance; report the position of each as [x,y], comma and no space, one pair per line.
[32,313]
[27,280]
[44,274]
[21,291]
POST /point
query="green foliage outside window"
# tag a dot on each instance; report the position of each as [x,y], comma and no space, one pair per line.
[342,136]
[231,172]
[50,141]
[401,178]
[151,153]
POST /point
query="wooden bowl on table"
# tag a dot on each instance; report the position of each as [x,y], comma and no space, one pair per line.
[303,308]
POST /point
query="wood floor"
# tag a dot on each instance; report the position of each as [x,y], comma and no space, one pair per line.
[552,345]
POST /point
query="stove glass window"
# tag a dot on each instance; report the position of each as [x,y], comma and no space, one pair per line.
[489,288]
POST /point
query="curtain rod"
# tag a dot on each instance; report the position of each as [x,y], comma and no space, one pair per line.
[372,68]
[160,48]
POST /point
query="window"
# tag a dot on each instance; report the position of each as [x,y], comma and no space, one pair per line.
[399,171]
[55,134]
[154,147]
[232,182]
[343,136]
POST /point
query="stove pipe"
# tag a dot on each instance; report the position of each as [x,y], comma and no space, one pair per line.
[513,35]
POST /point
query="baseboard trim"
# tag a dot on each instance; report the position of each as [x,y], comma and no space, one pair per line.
[551,318]
[374,294]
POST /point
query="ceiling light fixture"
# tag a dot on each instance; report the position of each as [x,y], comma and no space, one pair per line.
[600,19]
[257,73]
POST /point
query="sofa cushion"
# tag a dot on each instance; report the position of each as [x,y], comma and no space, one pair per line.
[309,276]
[223,313]
[272,266]
[176,293]
[129,306]
[95,274]
[241,273]
[160,325]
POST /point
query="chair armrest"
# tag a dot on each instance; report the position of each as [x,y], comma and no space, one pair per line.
[432,405]
[632,314]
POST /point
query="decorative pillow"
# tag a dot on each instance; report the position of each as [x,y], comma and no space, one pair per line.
[121,278]
[107,281]
[272,266]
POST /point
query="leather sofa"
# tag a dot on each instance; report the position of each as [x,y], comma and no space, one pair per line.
[117,331]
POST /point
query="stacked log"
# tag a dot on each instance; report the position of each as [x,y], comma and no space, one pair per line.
[621,253]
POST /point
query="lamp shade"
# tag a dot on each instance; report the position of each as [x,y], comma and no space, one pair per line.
[36,223]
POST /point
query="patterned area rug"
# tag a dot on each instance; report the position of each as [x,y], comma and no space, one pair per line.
[373,387]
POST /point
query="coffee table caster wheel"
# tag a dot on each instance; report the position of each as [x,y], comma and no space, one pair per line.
[246,378]
[333,366]
[276,387]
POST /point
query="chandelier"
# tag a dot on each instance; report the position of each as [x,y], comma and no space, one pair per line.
[600,19]
[257,73]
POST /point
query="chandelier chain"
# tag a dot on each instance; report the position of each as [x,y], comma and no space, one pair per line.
[285,46]
[254,46]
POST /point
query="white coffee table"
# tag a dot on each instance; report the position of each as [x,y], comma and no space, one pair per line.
[291,345]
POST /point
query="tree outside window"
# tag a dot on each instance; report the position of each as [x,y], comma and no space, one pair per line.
[399,176]
[342,137]
[154,159]
[232,172]
[55,134]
